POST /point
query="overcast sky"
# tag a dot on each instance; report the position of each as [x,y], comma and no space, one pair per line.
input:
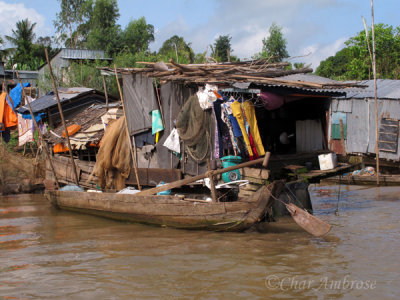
[315,27]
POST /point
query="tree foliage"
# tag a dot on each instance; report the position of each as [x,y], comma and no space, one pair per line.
[222,48]
[354,61]
[137,35]
[71,21]
[177,49]
[274,47]
[104,32]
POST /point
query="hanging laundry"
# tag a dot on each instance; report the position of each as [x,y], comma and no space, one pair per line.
[222,131]
[2,106]
[157,124]
[207,96]
[237,113]
[225,118]
[217,147]
[235,125]
[250,114]
[25,133]
[7,114]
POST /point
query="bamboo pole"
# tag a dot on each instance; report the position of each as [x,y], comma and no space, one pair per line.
[375,95]
[40,133]
[105,90]
[127,130]
[62,117]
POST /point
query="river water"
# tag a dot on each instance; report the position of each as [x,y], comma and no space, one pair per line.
[47,254]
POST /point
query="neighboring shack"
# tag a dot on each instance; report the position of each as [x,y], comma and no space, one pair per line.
[73,100]
[357,112]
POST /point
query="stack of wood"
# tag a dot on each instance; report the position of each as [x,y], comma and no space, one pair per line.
[260,72]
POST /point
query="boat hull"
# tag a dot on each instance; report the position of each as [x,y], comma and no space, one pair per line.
[169,211]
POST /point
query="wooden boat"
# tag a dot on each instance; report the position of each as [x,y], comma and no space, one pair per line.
[172,211]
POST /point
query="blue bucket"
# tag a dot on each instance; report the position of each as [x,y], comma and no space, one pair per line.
[228,161]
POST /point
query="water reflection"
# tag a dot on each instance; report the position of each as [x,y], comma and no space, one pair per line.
[48,253]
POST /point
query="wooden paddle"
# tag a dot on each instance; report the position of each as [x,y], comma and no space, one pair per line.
[307,221]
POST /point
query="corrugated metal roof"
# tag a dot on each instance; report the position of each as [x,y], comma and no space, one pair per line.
[313,79]
[387,89]
[50,100]
[68,53]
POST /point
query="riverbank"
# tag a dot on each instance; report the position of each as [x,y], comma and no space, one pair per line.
[19,173]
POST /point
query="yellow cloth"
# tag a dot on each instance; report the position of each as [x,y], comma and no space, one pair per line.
[237,113]
[250,113]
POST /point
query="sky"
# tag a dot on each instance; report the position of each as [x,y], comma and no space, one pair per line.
[314,29]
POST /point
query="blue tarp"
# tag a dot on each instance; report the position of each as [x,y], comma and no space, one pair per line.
[38,116]
[16,93]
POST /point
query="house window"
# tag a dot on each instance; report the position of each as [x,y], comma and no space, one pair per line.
[388,135]
[336,117]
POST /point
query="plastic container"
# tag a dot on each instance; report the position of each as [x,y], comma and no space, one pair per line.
[327,161]
[228,161]
[167,192]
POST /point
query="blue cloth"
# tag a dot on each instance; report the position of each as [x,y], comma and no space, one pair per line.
[237,132]
[157,124]
[16,94]
[38,116]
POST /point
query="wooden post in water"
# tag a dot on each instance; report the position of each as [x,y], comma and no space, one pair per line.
[62,117]
[127,131]
[46,149]
[376,96]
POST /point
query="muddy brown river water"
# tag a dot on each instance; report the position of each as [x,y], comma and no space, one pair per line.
[51,254]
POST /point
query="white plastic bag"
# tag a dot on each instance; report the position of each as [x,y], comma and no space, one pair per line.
[172,141]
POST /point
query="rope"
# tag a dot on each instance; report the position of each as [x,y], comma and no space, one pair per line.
[294,196]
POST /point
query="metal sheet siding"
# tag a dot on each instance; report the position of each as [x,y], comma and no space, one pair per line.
[357,127]
[309,136]
[342,105]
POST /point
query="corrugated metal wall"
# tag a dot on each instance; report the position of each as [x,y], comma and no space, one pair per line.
[360,113]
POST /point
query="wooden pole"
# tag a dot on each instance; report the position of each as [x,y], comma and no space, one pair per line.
[212,183]
[376,96]
[159,102]
[62,117]
[40,133]
[127,130]
[182,182]
[105,90]
[342,137]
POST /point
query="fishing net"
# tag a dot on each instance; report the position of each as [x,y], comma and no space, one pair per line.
[113,159]
[193,126]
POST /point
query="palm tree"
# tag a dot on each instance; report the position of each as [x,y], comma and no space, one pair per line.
[22,38]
